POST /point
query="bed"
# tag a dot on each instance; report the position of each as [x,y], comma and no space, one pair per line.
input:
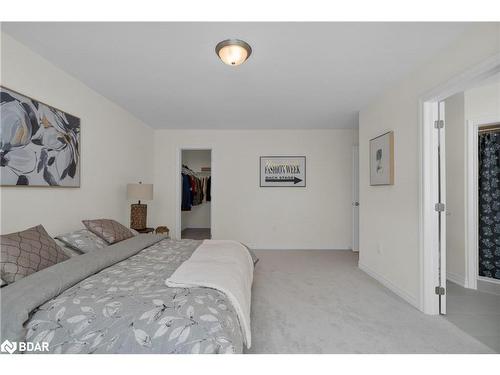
[115,300]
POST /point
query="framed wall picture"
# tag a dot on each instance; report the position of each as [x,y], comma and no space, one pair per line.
[282,171]
[39,144]
[382,159]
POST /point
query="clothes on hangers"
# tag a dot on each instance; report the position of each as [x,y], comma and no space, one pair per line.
[186,193]
[195,190]
[209,183]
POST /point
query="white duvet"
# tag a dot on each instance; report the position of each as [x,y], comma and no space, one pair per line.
[223,265]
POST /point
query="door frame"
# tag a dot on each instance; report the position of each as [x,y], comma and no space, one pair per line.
[471,209]
[178,190]
[428,189]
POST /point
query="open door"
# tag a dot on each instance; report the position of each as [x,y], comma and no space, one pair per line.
[355,198]
[440,205]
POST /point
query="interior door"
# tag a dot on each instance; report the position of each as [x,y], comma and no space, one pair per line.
[441,207]
[355,198]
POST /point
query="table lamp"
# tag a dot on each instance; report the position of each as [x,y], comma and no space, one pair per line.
[139,211]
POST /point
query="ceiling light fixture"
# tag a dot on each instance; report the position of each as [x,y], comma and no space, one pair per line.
[233,51]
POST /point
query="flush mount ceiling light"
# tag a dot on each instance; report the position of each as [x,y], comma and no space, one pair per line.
[233,51]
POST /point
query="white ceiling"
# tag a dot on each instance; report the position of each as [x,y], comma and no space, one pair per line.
[300,75]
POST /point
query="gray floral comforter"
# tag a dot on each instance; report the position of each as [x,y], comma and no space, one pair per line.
[126,308]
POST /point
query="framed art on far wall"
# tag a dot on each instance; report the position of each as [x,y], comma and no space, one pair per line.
[39,144]
[382,159]
[282,171]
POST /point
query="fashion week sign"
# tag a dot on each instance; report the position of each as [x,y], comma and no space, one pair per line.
[282,171]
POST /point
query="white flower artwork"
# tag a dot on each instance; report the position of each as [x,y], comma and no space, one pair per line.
[39,144]
[382,160]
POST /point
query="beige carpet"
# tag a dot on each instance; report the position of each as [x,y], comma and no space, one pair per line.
[320,302]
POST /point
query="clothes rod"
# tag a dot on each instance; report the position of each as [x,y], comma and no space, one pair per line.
[489,128]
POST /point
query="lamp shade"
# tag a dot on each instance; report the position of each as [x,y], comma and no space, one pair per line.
[140,192]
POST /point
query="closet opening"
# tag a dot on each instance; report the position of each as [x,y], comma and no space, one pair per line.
[462,205]
[195,206]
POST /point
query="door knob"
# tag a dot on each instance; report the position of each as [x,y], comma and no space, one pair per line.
[355,204]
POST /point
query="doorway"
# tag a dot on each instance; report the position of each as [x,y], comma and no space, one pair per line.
[465,190]
[195,194]
[435,211]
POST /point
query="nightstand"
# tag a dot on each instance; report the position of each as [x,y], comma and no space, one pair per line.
[162,230]
[146,230]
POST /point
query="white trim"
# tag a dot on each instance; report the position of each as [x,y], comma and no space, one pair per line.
[412,300]
[456,278]
[465,80]
[471,208]
[178,224]
[488,280]
[429,235]
[427,189]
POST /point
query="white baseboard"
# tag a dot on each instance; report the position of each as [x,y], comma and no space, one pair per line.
[456,278]
[412,300]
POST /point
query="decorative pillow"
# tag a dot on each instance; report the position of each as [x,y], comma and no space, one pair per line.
[26,252]
[109,230]
[82,240]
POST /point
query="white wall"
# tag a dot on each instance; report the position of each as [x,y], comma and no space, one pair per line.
[316,217]
[455,188]
[116,148]
[199,216]
[389,215]
[483,101]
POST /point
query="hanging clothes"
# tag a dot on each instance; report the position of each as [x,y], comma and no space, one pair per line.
[489,205]
[209,183]
[186,193]
[195,190]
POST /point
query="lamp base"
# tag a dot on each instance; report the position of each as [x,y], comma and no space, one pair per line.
[138,216]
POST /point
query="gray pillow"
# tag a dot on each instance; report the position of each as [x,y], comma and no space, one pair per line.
[68,250]
[26,252]
[82,240]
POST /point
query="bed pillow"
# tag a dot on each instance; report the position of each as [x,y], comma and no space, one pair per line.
[26,252]
[67,250]
[82,240]
[109,230]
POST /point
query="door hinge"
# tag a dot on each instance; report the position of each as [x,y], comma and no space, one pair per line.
[440,291]
[439,124]
[439,207]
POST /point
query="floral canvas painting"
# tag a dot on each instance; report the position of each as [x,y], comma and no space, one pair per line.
[39,144]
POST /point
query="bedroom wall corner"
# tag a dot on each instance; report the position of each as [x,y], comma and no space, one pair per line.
[115,149]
